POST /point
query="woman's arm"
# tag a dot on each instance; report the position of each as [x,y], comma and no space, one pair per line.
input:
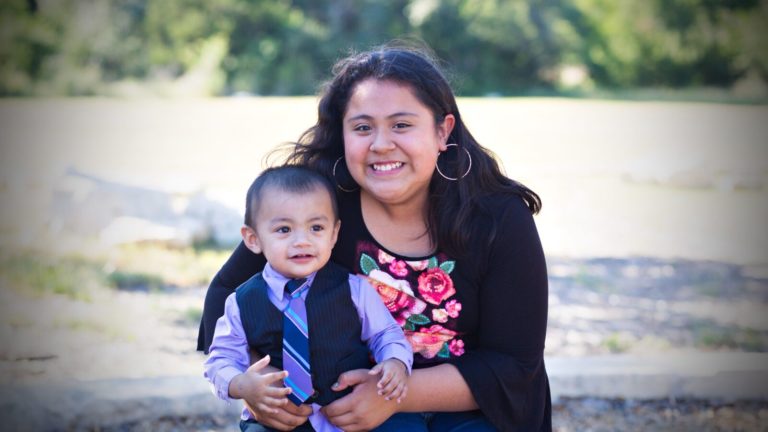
[240,266]
[505,369]
[438,388]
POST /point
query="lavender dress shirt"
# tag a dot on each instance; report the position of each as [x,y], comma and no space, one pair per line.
[229,350]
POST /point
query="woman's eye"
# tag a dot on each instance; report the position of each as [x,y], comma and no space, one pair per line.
[401,125]
[362,128]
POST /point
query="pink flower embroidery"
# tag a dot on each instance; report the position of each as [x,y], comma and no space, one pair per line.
[439,315]
[456,347]
[398,302]
[429,342]
[398,268]
[418,265]
[453,308]
[385,258]
[435,286]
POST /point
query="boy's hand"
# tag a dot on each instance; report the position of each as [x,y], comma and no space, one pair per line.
[394,379]
[263,392]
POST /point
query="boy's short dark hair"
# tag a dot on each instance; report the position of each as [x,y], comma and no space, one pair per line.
[288,178]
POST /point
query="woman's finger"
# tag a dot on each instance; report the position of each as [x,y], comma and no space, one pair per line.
[283,420]
[345,422]
[350,379]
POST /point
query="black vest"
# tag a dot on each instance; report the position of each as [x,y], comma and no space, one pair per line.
[334,328]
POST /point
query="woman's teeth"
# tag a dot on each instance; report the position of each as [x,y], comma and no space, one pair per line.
[387,166]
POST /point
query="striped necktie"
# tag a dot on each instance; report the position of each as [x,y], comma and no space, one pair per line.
[296,343]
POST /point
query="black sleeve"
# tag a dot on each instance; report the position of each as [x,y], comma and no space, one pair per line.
[506,372]
[240,266]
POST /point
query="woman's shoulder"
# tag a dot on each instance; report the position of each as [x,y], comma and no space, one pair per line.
[501,206]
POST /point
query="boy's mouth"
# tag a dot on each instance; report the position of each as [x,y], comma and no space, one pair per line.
[301,256]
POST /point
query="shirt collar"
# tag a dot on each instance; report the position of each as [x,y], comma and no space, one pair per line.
[276,281]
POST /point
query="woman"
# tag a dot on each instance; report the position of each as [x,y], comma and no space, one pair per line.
[448,241]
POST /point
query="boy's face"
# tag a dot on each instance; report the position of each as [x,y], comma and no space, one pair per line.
[294,231]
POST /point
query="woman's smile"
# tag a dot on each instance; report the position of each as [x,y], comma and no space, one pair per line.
[386,167]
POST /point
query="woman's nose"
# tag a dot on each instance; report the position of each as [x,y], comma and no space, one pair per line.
[381,142]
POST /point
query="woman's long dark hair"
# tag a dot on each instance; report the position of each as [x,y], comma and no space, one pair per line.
[452,204]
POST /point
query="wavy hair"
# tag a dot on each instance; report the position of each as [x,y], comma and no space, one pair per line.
[452,204]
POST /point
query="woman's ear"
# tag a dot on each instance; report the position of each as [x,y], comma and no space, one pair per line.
[250,239]
[444,130]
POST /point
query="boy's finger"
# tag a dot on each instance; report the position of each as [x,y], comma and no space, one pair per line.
[389,390]
[403,394]
[277,392]
[397,393]
[376,369]
[273,402]
[382,385]
[259,365]
[263,407]
[274,377]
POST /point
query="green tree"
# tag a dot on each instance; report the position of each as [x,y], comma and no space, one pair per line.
[674,43]
[497,46]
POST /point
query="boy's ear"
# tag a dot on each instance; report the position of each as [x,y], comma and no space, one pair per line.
[336,227]
[250,239]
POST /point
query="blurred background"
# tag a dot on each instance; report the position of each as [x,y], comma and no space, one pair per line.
[130,130]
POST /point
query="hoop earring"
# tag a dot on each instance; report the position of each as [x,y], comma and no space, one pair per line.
[338,184]
[469,168]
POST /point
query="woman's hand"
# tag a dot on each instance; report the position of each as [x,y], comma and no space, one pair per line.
[363,409]
[286,418]
[261,388]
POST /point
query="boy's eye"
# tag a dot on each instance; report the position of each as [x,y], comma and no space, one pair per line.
[317,227]
[283,230]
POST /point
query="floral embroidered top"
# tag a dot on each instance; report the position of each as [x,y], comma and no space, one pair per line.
[421,296]
[486,313]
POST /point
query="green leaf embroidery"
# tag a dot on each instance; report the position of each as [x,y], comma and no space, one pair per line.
[432,263]
[444,352]
[368,264]
[418,319]
[409,326]
[448,266]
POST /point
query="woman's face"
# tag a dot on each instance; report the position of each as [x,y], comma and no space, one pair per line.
[391,143]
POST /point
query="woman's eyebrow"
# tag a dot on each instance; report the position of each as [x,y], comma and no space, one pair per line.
[368,117]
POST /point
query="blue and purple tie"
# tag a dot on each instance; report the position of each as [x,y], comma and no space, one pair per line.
[296,343]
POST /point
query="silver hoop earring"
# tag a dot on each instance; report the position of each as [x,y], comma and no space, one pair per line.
[338,184]
[469,168]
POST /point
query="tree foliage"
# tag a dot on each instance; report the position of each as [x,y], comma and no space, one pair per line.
[284,47]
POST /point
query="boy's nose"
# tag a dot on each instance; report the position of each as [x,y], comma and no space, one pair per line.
[300,238]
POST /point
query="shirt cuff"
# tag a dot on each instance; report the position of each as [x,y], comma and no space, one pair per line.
[223,378]
[399,352]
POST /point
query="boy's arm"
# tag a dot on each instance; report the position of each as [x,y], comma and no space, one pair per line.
[385,338]
[228,352]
